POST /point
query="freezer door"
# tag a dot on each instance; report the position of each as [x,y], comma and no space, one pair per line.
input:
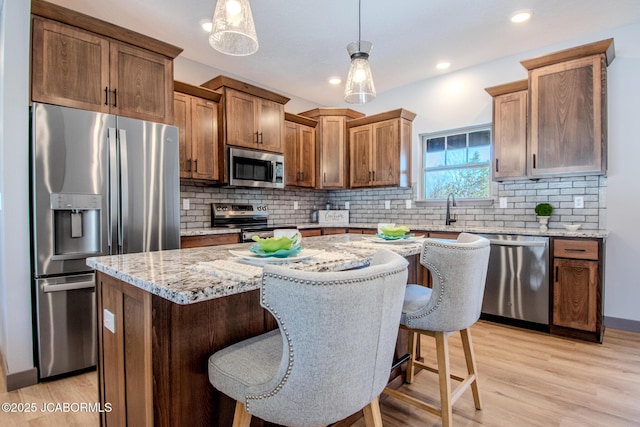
[69,156]
[66,324]
[149,186]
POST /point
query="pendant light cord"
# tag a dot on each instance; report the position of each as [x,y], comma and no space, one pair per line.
[359,23]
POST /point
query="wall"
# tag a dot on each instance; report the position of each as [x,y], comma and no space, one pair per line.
[279,202]
[15,292]
[367,206]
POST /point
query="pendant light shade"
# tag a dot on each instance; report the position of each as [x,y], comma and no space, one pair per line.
[360,88]
[233,32]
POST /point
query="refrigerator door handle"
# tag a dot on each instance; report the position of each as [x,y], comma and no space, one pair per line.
[68,286]
[114,183]
[124,192]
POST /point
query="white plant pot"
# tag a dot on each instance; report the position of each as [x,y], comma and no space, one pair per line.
[543,220]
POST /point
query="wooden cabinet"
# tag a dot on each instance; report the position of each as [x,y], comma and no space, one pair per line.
[380,150]
[91,65]
[577,288]
[125,353]
[568,115]
[510,107]
[331,145]
[554,123]
[253,117]
[299,151]
[209,240]
[196,116]
[310,232]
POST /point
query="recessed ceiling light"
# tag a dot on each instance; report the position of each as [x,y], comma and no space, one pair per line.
[521,16]
[335,80]
[206,25]
[443,65]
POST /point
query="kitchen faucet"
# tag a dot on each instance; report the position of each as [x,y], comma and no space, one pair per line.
[448,219]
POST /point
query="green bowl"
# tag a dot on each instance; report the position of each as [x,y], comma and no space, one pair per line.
[395,231]
[272,244]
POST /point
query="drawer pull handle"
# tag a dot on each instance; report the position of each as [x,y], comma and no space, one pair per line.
[556,273]
[575,250]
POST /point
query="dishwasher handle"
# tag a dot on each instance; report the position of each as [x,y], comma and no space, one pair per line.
[68,286]
[519,243]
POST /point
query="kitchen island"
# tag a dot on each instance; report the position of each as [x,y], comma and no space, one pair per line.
[162,314]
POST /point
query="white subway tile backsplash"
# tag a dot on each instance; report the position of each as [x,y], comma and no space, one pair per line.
[367,206]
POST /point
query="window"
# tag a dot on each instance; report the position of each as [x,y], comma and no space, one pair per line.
[457,161]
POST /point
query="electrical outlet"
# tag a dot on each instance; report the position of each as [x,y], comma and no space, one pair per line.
[186,204]
[296,206]
[387,204]
[347,205]
[578,202]
[503,202]
[407,204]
[109,320]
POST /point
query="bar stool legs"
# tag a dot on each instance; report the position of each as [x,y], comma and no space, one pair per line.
[447,396]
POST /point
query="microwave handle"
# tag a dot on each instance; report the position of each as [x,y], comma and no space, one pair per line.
[272,172]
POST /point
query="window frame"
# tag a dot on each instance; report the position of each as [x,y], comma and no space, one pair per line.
[450,132]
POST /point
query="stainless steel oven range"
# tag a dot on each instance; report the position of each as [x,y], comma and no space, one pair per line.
[251,219]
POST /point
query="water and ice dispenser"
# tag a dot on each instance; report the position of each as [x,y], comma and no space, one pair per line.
[76,224]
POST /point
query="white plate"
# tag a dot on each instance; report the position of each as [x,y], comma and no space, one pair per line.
[406,241]
[249,256]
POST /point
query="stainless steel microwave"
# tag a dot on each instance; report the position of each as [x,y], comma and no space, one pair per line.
[249,168]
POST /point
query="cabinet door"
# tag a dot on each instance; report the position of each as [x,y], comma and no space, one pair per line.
[567,110]
[385,153]
[510,136]
[270,124]
[360,156]
[240,119]
[307,150]
[575,294]
[291,161]
[182,119]
[70,67]
[141,83]
[204,131]
[332,152]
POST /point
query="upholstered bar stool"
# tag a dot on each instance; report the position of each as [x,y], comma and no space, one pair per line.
[459,270]
[330,355]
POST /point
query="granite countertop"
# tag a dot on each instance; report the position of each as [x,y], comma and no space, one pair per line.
[552,232]
[186,276]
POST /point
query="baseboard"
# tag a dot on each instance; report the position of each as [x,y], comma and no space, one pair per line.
[22,379]
[624,324]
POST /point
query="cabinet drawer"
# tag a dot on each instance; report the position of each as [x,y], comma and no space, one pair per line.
[577,249]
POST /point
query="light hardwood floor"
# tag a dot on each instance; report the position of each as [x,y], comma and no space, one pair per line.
[526,379]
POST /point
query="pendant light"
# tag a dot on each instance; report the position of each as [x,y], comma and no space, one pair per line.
[233,32]
[360,88]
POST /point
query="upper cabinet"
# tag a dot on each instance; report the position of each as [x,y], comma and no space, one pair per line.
[299,151]
[380,150]
[196,115]
[331,145]
[566,116]
[253,117]
[510,106]
[568,120]
[82,62]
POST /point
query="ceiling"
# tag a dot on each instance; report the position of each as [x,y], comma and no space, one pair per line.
[303,42]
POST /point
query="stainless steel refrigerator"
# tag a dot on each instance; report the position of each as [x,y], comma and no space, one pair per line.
[100,185]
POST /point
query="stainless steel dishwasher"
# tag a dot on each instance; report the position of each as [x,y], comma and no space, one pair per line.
[517,289]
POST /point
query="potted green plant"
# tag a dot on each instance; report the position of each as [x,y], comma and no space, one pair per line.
[543,211]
